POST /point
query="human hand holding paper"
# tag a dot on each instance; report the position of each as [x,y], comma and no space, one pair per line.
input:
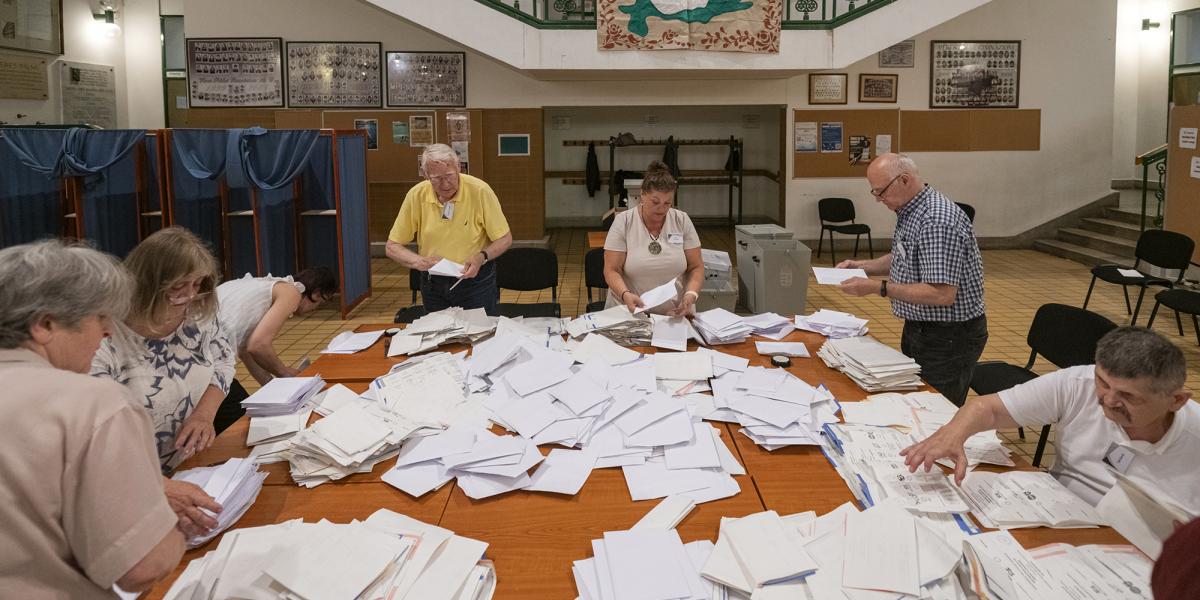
[446,268]
[828,276]
[657,296]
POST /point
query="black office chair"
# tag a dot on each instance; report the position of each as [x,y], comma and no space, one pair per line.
[968,209]
[1064,335]
[1163,249]
[527,270]
[1180,301]
[837,214]
[593,277]
[414,283]
[408,314]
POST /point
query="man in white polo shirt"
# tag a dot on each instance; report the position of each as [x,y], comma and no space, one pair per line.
[1129,413]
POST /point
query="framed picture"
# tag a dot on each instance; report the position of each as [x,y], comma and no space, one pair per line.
[32,25]
[334,74]
[877,87]
[426,79]
[371,126]
[984,74]
[898,56]
[235,72]
[513,144]
[826,88]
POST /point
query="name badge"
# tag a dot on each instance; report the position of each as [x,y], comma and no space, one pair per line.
[448,210]
[675,239]
[1119,457]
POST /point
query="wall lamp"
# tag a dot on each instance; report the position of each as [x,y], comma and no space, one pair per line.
[1147,24]
[106,20]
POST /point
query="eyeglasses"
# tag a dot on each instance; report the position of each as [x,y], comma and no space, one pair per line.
[880,193]
[442,178]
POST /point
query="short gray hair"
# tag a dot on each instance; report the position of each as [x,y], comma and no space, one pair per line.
[438,153]
[896,164]
[1136,352]
[66,282]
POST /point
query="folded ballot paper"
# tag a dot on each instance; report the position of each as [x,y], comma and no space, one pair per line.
[719,326]
[448,326]
[387,556]
[832,324]
[348,342]
[774,407]
[234,485]
[999,567]
[1026,499]
[874,366]
[282,396]
[616,324]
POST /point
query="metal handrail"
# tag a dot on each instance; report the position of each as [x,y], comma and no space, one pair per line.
[581,14]
[1157,159]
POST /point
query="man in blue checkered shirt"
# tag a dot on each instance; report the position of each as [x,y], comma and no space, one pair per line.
[935,276]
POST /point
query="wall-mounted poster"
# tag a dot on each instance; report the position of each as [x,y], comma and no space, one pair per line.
[426,79]
[974,74]
[806,136]
[371,126]
[899,55]
[31,25]
[334,74]
[877,87]
[23,77]
[235,72]
[89,94]
[831,137]
[420,131]
[400,132]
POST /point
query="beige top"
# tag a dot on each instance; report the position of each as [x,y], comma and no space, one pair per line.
[645,271]
[81,496]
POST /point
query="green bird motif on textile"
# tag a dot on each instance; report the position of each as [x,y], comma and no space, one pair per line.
[641,10]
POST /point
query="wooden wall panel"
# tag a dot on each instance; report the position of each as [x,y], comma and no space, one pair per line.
[935,130]
[517,180]
[1182,212]
[1006,130]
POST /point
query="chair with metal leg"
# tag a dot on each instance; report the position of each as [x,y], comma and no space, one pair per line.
[837,214]
[593,277]
[1185,301]
[527,270]
[1064,335]
[1167,250]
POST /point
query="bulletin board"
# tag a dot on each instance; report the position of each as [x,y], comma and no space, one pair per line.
[1182,212]
[391,162]
[971,130]
[854,122]
[936,130]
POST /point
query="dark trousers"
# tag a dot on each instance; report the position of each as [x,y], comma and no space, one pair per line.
[478,292]
[231,407]
[947,353]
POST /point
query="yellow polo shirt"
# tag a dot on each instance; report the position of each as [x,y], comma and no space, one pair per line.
[477,220]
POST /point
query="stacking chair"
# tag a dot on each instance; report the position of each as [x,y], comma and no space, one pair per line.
[968,209]
[408,314]
[593,277]
[1180,301]
[414,283]
[1064,335]
[837,214]
[527,270]
[1163,249]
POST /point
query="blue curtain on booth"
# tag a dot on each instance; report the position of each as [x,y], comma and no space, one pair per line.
[110,210]
[320,232]
[277,230]
[197,161]
[29,201]
[90,151]
[268,159]
[154,200]
[39,150]
[356,251]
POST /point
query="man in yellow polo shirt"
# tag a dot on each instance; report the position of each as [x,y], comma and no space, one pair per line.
[456,217]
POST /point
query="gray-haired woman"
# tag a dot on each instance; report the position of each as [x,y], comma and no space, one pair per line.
[83,505]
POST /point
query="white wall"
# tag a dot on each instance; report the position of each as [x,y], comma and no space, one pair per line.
[81,43]
[1067,72]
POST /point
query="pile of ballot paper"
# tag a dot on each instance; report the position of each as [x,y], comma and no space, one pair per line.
[769,325]
[874,366]
[1026,499]
[719,326]
[282,396]
[234,485]
[616,324]
[832,324]
[999,567]
[387,556]
[351,440]
[650,564]
[448,326]
[348,342]
[774,407]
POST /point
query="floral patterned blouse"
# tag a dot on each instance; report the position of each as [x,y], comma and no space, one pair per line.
[168,376]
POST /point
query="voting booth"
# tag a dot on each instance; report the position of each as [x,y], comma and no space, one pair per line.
[772,269]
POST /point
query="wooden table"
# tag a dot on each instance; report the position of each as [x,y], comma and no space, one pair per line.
[596,239]
[535,536]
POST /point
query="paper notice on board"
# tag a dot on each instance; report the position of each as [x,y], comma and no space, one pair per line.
[806,137]
[1187,138]
[1196,167]
[883,144]
[831,137]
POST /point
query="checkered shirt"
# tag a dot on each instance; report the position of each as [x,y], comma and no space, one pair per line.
[935,243]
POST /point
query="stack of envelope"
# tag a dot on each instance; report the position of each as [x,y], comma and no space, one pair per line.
[774,407]
[387,556]
[874,366]
[648,564]
[484,463]
[758,551]
[921,414]
[352,439]
[282,396]
[832,324]
[448,326]
[616,324]
[234,485]
[770,325]
[719,326]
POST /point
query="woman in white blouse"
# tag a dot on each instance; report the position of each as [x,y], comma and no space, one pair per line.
[652,244]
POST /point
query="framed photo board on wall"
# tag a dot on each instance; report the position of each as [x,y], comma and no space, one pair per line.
[877,87]
[32,25]
[978,74]
[334,74]
[901,55]
[426,79]
[244,72]
[827,88]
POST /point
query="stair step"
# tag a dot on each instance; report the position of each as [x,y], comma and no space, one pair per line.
[1112,244]
[1077,253]
[1129,231]
[1125,215]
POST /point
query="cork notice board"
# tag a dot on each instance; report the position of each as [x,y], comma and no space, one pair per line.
[971,130]
[870,123]
[1182,212]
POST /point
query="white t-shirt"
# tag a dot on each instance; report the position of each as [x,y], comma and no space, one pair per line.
[645,271]
[1067,399]
[244,302]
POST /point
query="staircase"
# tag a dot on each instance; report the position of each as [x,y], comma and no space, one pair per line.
[1105,239]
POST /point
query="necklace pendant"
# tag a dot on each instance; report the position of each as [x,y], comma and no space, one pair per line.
[655,248]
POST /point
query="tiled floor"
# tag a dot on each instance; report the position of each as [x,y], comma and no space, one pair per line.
[1017,283]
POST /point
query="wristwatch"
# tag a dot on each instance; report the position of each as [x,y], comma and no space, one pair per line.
[883,288]
[485,256]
